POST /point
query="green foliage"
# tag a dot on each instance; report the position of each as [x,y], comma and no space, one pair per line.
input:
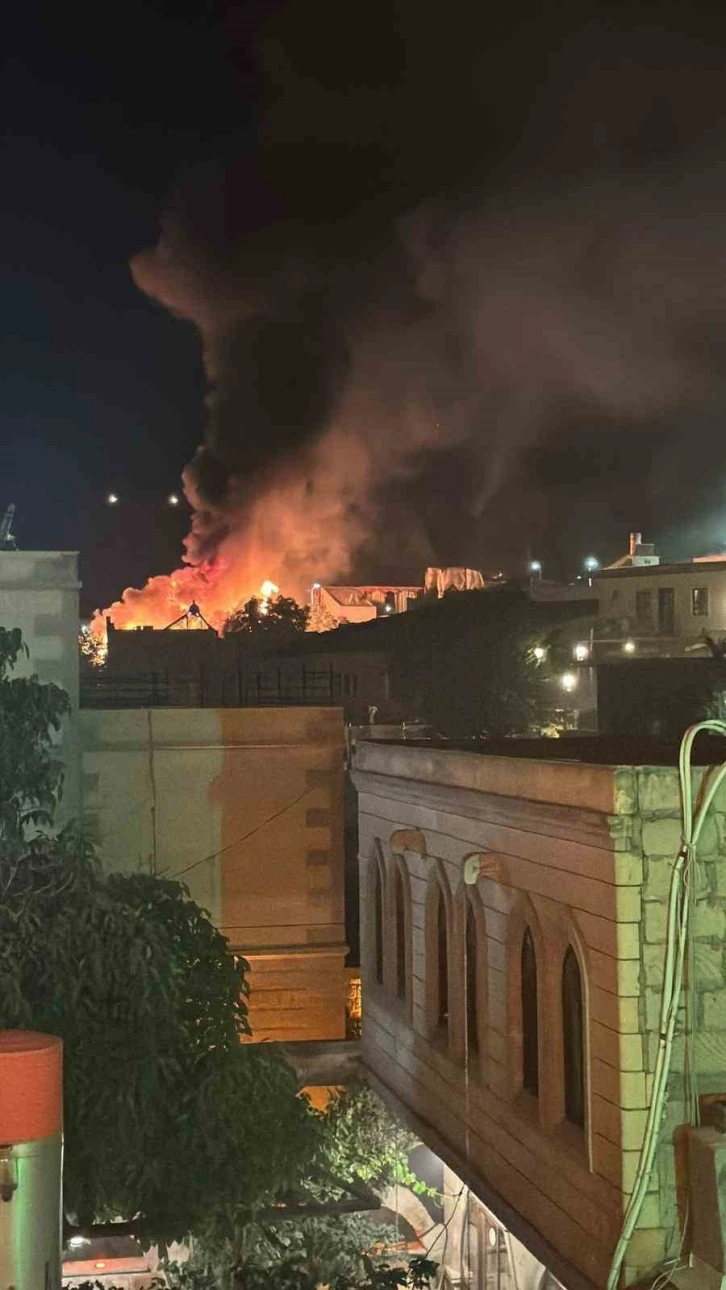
[271,621]
[360,1141]
[363,1140]
[31,778]
[170,1120]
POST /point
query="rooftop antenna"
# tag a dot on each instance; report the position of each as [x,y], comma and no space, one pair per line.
[7,541]
[192,612]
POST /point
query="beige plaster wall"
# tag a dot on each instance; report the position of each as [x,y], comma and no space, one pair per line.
[245,807]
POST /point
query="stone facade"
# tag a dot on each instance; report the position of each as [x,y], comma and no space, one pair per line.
[581,856]
[245,807]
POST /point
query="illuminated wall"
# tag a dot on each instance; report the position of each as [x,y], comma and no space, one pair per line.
[245,807]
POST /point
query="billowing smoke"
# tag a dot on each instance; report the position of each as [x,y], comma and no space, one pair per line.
[467,280]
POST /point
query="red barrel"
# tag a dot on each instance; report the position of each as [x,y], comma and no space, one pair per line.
[31,1086]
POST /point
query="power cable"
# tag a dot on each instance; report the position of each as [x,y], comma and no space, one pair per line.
[678,926]
[263,824]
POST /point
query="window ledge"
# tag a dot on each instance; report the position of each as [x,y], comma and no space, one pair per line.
[572,1140]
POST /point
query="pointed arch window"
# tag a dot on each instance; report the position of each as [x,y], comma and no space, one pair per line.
[442,947]
[378,922]
[574,1039]
[530,1017]
[472,1000]
[399,901]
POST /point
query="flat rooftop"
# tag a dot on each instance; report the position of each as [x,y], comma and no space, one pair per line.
[591,750]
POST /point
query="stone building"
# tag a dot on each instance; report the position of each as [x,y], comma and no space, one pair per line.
[243,804]
[513,934]
[659,609]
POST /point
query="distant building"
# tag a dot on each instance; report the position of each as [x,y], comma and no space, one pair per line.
[332,606]
[659,609]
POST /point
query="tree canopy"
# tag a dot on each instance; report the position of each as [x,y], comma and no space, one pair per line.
[270,620]
[171,1122]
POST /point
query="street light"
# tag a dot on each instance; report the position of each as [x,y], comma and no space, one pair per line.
[568,681]
[581,651]
[592,563]
[539,652]
[173,499]
[112,499]
[629,647]
[535,566]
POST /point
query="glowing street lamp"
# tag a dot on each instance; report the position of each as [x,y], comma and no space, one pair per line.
[629,647]
[568,681]
[592,563]
[112,499]
[581,651]
[173,499]
[539,652]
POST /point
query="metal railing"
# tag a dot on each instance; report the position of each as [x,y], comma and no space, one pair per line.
[220,690]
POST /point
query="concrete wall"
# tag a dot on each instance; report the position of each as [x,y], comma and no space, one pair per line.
[245,807]
[581,854]
[617,591]
[39,594]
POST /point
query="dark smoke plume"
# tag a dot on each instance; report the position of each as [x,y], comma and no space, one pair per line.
[466,290]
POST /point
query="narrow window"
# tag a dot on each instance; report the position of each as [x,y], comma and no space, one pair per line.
[472,1006]
[401,983]
[443,961]
[378,921]
[573,1031]
[530,1019]
[644,608]
[666,611]
[700,602]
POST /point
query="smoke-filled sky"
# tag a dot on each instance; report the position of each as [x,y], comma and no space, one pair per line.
[408,284]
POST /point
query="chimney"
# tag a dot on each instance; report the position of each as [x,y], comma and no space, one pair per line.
[636,540]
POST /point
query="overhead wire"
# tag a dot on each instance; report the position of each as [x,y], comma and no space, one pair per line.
[244,837]
[679,940]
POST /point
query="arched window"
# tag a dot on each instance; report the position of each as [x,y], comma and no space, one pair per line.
[472,1002]
[378,921]
[442,949]
[530,1018]
[574,1039]
[399,900]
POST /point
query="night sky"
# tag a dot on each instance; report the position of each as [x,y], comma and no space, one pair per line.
[501,245]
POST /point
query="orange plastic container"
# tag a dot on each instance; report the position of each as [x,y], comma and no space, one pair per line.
[31,1086]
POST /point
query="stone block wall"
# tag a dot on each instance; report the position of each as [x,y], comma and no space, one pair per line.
[582,855]
[244,805]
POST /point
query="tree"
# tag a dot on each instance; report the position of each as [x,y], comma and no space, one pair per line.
[271,620]
[362,1146]
[170,1120]
[465,663]
[31,775]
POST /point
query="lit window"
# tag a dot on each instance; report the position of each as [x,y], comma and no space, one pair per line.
[574,1039]
[700,602]
[530,1017]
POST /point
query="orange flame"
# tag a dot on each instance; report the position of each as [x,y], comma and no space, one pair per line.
[299,530]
